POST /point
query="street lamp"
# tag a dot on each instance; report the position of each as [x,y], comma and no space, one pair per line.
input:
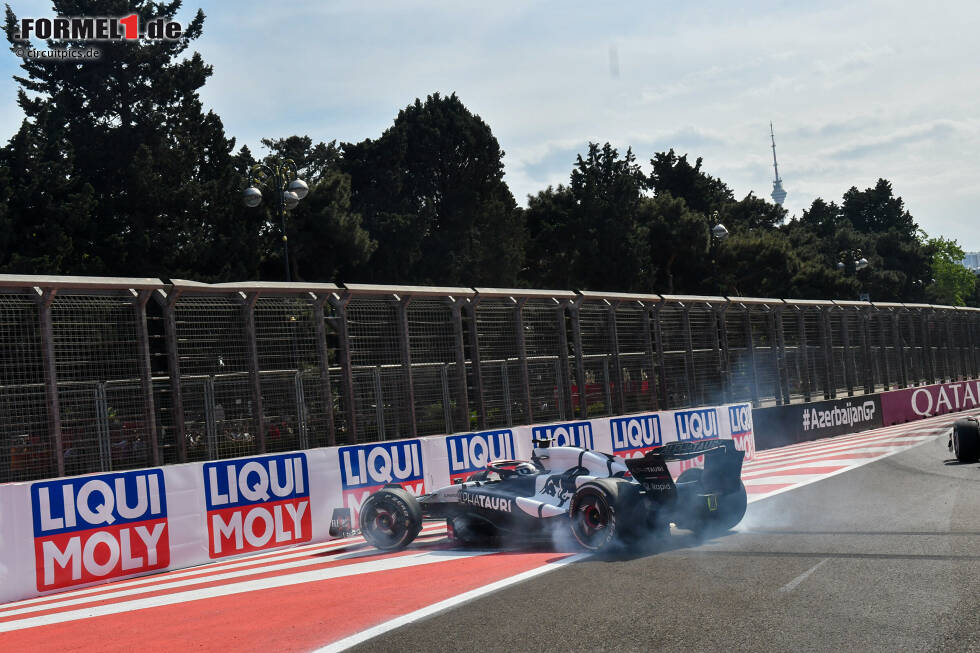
[283,180]
[856,259]
[718,231]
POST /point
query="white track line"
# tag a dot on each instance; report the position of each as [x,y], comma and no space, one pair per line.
[790,586]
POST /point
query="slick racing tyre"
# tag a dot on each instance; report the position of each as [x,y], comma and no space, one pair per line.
[390,519]
[966,440]
[593,513]
[730,511]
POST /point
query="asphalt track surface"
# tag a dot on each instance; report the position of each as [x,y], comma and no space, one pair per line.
[885,557]
[867,541]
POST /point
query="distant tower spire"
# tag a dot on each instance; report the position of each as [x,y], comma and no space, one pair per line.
[778,194]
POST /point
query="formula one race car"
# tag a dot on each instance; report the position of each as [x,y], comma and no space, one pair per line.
[601,498]
[964,440]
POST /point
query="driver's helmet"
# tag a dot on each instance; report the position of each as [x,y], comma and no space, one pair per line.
[521,467]
[525,468]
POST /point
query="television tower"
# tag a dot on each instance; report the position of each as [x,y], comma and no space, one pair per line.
[778,194]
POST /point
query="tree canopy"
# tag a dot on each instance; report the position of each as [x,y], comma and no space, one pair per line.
[118,169]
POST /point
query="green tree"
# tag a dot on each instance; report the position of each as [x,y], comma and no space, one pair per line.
[877,210]
[587,235]
[675,175]
[951,283]
[678,241]
[432,193]
[326,238]
[151,171]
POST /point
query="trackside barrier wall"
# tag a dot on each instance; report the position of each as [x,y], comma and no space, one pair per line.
[777,426]
[77,531]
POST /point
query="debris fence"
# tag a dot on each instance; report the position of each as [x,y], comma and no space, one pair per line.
[100,374]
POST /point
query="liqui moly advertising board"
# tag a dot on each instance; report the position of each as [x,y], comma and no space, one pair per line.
[367,468]
[94,528]
[568,434]
[634,435]
[900,406]
[470,452]
[741,427]
[257,503]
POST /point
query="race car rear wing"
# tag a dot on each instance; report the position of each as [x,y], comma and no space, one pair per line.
[722,462]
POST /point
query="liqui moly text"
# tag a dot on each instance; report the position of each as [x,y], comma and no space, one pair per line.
[94,528]
[368,467]
[257,503]
[570,434]
[635,435]
[470,452]
[698,424]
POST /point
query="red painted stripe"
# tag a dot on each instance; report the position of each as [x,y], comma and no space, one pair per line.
[205,583]
[429,534]
[763,488]
[796,471]
[282,619]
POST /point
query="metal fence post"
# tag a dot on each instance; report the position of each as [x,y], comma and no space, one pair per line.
[478,398]
[658,338]
[694,396]
[651,355]
[564,378]
[583,402]
[522,359]
[886,368]
[864,323]
[782,374]
[255,380]
[952,363]
[323,361]
[406,354]
[900,349]
[168,302]
[845,322]
[346,372]
[830,379]
[210,418]
[724,361]
[927,357]
[805,351]
[620,399]
[146,374]
[45,299]
[379,403]
[750,348]
[459,355]
[102,428]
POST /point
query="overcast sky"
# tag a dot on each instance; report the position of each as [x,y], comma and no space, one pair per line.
[884,89]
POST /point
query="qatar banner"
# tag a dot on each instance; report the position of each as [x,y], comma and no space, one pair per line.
[68,533]
[900,406]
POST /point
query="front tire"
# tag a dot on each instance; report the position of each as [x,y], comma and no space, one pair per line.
[966,440]
[390,519]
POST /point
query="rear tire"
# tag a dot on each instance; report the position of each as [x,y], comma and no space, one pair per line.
[731,506]
[600,511]
[966,440]
[390,519]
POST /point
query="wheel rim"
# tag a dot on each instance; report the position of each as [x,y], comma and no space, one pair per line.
[591,520]
[381,527]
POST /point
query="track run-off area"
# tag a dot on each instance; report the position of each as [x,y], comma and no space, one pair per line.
[884,557]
